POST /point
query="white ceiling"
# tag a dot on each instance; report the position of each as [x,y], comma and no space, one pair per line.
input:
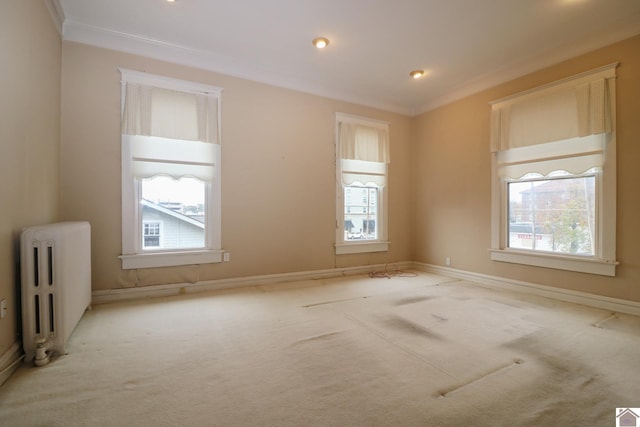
[464,45]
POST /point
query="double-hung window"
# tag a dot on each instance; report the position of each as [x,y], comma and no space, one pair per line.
[151,235]
[554,175]
[170,172]
[362,156]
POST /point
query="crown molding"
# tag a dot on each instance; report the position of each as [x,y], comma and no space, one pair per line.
[549,59]
[56,12]
[206,60]
[227,65]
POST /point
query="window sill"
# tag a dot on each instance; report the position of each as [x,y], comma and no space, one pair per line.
[170,259]
[560,262]
[361,247]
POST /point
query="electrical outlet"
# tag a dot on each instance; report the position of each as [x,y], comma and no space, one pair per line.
[226,257]
[447,261]
[3,308]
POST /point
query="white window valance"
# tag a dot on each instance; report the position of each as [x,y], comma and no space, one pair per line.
[362,142]
[169,127]
[152,156]
[575,156]
[574,107]
[363,150]
[363,172]
[153,111]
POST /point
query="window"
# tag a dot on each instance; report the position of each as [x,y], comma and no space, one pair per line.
[361,212]
[554,168]
[555,214]
[170,172]
[151,235]
[362,155]
[180,205]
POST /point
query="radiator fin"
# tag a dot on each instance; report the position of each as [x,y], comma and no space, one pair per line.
[50,264]
[37,313]
[36,270]
[51,317]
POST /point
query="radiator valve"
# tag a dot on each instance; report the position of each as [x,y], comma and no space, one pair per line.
[42,352]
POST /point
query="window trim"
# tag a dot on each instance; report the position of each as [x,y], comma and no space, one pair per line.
[381,244]
[601,263]
[133,255]
[604,261]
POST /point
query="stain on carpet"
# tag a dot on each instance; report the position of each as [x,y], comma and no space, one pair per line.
[440,318]
[566,385]
[413,300]
[319,337]
[401,324]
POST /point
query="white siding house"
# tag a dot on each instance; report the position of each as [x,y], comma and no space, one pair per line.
[165,228]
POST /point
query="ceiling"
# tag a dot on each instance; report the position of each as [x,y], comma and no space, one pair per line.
[463,45]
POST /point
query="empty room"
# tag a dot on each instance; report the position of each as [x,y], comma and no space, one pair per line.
[303,213]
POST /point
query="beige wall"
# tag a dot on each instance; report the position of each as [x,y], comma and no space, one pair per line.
[278,172]
[30,48]
[278,167]
[452,180]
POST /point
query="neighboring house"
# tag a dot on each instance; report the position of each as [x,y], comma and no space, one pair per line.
[562,211]
[168,228]
[551,196]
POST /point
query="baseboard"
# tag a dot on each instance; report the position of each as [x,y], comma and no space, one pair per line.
[10,361]
[592,300]
[114,295]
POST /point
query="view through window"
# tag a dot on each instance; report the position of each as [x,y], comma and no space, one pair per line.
[360,212]
[180,205]
[553,214]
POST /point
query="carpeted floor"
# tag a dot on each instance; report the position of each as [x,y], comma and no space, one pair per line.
[358,351]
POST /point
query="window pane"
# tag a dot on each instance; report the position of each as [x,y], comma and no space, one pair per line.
[179,204]
[360,213]
[553,215]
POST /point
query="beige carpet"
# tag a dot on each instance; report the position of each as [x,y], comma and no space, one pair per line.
[359,351]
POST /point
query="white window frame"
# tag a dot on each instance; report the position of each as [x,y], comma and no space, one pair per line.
[381,244]
[133,254]
[603,262]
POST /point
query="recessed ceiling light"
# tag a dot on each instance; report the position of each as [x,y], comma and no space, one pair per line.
[416,74]
[320,42]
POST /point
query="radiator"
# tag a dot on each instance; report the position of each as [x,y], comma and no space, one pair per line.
[55,285]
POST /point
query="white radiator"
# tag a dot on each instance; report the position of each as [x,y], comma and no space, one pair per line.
[56,285]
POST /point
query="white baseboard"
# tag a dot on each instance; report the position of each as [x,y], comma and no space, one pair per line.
[592,300]
[10,361]
[114,295]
